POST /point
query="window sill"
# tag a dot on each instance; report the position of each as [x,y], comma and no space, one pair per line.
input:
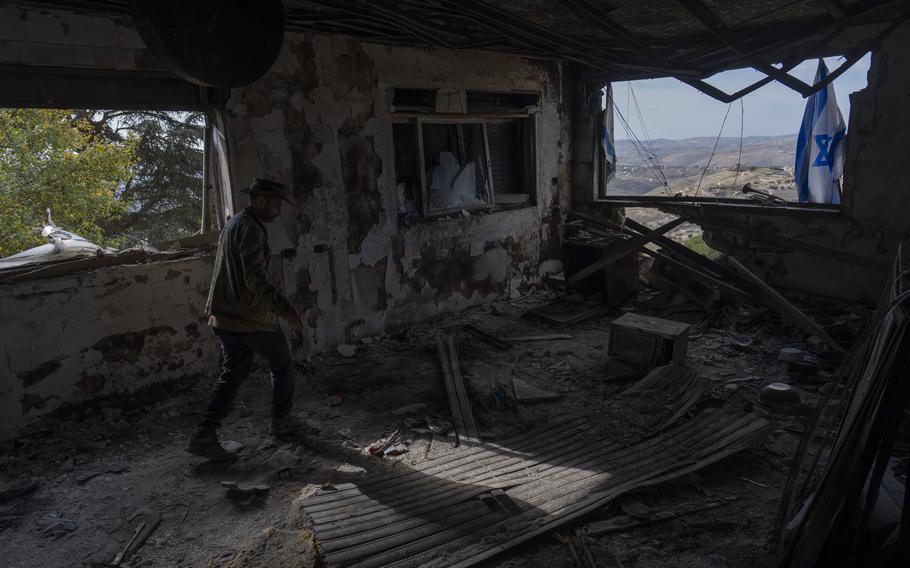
[722,205]
[456,215]
[80,265]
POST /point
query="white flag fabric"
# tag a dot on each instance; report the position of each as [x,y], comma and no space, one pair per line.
[820,146]
[606,137]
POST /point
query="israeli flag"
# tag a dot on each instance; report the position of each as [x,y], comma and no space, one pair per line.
[820,146]
[606,137]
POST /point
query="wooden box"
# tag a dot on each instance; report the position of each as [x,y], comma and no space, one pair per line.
[648,340]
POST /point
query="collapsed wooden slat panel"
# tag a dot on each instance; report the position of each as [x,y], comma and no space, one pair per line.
[825,530]
[422,515]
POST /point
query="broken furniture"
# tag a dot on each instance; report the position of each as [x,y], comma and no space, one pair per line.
[617,282]
[647,340]
[830,524]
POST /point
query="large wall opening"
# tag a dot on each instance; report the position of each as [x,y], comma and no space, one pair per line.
[118,178]
[674,141]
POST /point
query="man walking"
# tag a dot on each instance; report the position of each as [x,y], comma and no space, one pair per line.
[244,305]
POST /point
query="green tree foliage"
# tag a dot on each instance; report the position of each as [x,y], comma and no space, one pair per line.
[53,159]
[165,191]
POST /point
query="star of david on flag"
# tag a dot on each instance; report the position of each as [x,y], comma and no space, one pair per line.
[820,146]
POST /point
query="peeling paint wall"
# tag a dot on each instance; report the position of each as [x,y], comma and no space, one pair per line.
[73,338]
[318,121]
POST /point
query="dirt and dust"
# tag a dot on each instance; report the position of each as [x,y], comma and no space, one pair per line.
[96,468]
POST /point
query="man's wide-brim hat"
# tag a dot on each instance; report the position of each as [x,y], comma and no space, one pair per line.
[268,188]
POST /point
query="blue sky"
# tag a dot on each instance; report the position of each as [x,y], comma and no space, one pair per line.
[675,110]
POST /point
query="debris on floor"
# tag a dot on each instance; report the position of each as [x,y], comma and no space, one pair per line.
[494,431]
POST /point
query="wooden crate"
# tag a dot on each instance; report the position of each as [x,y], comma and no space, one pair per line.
[648,340]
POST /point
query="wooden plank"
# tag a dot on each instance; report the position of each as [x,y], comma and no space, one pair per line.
[539,464]
[398,495]
[704,277]
[562,504]
[635,228]
[451,394]
[557,487]
[681,250]
[475,457]
[472,434]
[784,307]
[626,248]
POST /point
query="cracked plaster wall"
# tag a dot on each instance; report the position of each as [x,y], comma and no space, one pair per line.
[877,196]
[319,121]
[74,338]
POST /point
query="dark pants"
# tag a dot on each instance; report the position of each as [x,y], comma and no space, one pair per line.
[238,350]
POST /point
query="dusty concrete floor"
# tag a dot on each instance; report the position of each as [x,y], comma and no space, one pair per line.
[134,449]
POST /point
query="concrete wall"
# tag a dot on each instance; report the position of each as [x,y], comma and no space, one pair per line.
[876,211]
[318,121]
[71,339]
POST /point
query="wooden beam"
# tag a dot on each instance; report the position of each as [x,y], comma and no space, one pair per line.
[624,249]
[705,278]
[719,29]
[784,307]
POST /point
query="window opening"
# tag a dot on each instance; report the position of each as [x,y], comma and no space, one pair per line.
[447,165]
[674,142]
[116,178]
[454,157]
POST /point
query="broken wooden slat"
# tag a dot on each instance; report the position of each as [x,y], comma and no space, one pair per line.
[681,251]
[438,517]
[784,307]
[707,278]
[826,526]
[625,248]
[459,404]
[550,337]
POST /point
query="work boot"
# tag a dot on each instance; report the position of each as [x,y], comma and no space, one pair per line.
[291,426]
[204,443]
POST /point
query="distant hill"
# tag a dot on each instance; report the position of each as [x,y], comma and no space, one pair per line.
[766,151]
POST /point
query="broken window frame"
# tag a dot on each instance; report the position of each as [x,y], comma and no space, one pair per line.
[418,120]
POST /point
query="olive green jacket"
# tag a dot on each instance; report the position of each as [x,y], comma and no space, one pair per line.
[243,296]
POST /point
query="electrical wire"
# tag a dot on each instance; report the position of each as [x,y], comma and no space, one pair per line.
[713,150]
[647,157]
[644,128]
[739,159]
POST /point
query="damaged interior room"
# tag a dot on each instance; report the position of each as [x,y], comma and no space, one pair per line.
[581,283]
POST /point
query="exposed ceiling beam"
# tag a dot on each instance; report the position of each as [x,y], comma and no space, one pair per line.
[720,30]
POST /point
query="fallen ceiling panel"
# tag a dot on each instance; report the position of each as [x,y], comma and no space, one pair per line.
[476,503]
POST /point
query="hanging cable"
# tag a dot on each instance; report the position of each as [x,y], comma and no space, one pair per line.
[739,159]
[713,150]
[644,128]
[641,149]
